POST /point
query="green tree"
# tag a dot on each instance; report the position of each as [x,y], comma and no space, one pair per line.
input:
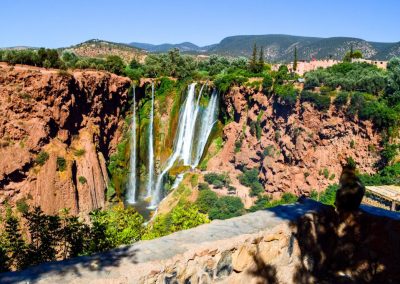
[15,245]
[253,60]
[295,59]
[115,227]
[114,64]
[182,217]
[260,64]
[227,207]
[44,233]
[267,83]
[73,236]
[206,200]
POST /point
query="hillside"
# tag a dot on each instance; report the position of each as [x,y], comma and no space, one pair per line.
[101,49]
[280,48]
[183,47]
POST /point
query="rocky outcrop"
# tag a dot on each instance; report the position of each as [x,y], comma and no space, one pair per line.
[56,130]
[302,243]
[298,149]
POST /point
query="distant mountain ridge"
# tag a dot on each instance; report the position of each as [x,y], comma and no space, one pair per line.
[280,47]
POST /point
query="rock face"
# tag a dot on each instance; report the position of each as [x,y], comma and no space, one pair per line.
[73,118]
[299,149]
[301,243]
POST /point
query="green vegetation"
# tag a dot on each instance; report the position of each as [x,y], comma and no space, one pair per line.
[217,180]
[118,169]
[227,207]
[264,202]
[56,237]
[224,207]
[341,99]
[360,77]
[250,178]
[321,102]
[388,175]
[352,55]
[79,152]
[182,217]
[41,158]
[82,179]
[48,58]
[61,164]
[286,94]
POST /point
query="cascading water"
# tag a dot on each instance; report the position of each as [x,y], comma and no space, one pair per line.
[209,119]
[131,191]
[150,180]
[185,146]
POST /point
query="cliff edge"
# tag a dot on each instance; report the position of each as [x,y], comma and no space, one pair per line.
[56,130]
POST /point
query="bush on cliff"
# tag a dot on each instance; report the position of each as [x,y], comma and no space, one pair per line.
[227,207]
[182,217]
[264,201]
[217,180]
[286,94]
[250,178]
[115,227]
[321,102]
[206,200]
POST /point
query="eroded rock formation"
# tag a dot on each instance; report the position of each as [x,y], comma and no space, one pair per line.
[299,149]
[75,118]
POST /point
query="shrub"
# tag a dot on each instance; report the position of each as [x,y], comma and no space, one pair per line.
[218,180]
[82,179]
[286,94]
[227,207]
[182,217]
[238,145]
[206,200]
[269,151]
[267,83]
[224,82]
[115,227]
[351,163]
[22,205]
[61,164]
[250,178]
[329,195]
[203,186]
[41,158]
[321,102]
[326,173]
[79,152]
[341,99]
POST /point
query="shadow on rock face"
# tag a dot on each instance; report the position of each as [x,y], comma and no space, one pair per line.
[350,247]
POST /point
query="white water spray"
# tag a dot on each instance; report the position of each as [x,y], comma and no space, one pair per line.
[185,146]
[150,180]
[131,191]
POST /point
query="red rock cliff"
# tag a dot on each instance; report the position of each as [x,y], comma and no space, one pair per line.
[300,148]
[76,117]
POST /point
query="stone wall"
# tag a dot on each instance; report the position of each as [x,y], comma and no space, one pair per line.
[298,243]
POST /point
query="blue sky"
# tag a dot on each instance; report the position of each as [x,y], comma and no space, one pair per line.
[58,23]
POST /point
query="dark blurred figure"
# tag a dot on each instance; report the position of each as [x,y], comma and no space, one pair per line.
[351,191]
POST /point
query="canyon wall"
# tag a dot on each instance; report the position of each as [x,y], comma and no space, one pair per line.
[299,149]
[56,131]
[302,243]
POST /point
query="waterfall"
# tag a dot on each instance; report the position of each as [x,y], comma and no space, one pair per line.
[150,180]
[208,120]
[185,139]
[131,191]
